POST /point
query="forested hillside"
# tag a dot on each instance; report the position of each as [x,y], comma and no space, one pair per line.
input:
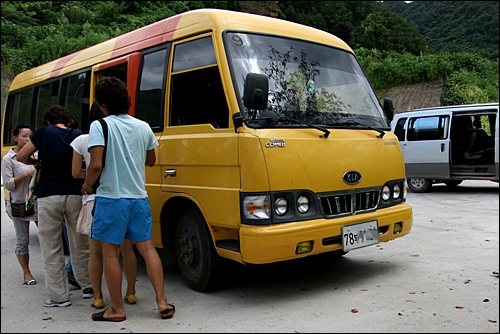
[454,26]
[450,44]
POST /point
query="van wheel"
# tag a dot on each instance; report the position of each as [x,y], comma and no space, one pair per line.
[419,185]
[453,183]
[199,263]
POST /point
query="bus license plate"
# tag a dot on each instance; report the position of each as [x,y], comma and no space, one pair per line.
[360,235]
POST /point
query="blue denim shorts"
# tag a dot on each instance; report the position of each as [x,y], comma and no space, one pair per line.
[116,219]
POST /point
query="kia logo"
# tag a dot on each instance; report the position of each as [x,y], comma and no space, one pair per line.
[351,177]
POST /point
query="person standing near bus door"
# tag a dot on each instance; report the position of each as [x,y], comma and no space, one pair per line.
[59,198]
[69,267]
[81,157]
[121,208]
[17,177]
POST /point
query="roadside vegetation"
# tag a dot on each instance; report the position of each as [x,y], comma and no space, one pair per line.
[391,49]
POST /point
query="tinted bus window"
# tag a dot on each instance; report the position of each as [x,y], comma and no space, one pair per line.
[150,100]
[18,111]
[45,96]
[75,97]
[192,54]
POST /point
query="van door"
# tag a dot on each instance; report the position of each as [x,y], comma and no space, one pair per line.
[427,147]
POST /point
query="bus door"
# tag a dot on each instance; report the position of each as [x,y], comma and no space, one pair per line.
[427,147]
[198,151]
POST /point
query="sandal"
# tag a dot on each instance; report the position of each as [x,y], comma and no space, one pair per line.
[98,303]
[168,313]
[131,299]
[30,282]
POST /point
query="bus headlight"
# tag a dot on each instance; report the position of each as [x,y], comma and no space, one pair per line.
[256,207]
[386,193]
[280,206]
[303,204]
[397,191]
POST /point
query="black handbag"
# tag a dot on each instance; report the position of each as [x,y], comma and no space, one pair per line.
[19,210]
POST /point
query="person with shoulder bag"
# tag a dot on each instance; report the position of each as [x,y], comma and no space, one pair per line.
[17,177]
[122,189]
[81,157]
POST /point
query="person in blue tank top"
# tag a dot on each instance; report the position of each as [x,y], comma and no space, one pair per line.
[121,205]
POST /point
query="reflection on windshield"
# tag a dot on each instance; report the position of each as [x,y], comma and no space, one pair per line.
[308,82]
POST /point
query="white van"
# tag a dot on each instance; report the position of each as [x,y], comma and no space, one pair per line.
[448,144]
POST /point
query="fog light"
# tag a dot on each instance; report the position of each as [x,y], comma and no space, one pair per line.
[398,227]
[304,247]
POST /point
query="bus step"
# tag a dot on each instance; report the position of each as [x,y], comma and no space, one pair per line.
[232,245]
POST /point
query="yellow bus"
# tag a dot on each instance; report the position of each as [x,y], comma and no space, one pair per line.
[273,144]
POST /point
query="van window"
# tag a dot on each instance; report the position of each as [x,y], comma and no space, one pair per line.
[400,131]
[427,128]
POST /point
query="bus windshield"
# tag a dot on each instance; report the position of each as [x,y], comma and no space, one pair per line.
[308,82]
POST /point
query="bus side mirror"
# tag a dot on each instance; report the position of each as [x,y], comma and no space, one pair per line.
[256,91]
[389,108]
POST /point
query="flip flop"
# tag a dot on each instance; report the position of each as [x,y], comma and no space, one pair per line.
[30,282]
[99,316]
[168,313]
[131,299]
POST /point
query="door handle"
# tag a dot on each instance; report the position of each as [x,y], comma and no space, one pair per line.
[442,147]
[170,172]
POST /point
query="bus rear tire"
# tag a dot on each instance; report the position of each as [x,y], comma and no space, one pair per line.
[198,261]
[419,185]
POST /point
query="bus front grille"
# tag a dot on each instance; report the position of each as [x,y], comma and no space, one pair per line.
[348,203]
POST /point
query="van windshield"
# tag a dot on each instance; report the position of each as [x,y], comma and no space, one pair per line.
[308,82]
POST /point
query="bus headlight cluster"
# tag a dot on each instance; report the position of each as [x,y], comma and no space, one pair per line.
[279,207]
[392,193]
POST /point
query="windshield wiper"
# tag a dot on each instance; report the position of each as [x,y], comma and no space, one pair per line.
[325,130]
[351,122]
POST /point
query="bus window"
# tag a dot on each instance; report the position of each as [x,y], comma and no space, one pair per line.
[151,94]
[45,96]
[75,96]
[18,111]
[197,97]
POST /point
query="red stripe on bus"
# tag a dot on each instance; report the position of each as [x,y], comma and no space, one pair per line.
[145,37]
[61,63]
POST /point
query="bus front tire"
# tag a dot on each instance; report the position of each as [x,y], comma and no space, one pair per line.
[419,185]
[198,261]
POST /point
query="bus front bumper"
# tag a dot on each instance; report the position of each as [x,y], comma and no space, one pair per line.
[274,243]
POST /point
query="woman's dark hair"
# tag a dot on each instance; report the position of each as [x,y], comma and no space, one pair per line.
[112,93]
[56,114]
[95,113]
[74,123]
[15,133]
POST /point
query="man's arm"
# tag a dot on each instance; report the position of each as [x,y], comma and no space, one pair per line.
[150,158]
[93,169]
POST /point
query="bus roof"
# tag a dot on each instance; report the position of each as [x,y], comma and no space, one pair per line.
[170,29]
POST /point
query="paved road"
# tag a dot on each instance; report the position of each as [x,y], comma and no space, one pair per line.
[439,278]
